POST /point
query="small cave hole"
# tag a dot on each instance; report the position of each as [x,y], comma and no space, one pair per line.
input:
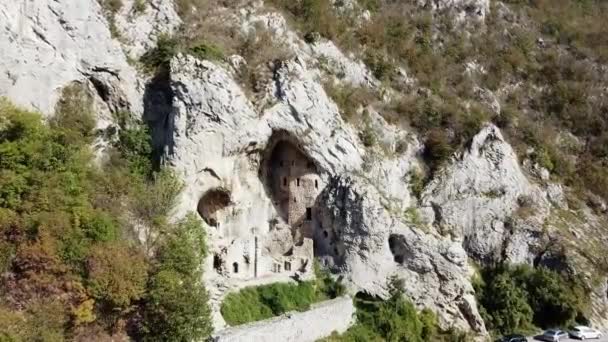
[325,234]
[235,267]
[298,182]
[211,203]
[309,214]
[316,184]
[395,245]
[287,266]
[217,262]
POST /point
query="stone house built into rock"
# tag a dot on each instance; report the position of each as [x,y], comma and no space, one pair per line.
[297,189]
[280,246]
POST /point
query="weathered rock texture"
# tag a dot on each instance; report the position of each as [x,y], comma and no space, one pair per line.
[49,43]
[220,140]
[374,245]
[320,321]
[475,195]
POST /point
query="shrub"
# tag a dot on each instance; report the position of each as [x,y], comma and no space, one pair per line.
[349,99]
[74,113]
[517,298]
[394,319]
[437,148]
[257,303]
[139,6]
[116,274]
[380,65]
[62,221]
[161,55]
[176,306]
[207,51]
[135,147]
[153,201]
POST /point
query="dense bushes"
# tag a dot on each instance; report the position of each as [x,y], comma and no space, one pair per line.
[262,302]
[394,319]
[70,259]
[176,305]
[520,298]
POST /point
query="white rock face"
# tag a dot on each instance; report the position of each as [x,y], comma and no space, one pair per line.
[309,326]
[216,140]
[346,68]
[464,10]
[141,30]
[47,44]
[374,245]
[475,195]
[213,120]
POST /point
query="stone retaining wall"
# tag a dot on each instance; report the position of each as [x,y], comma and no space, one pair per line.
[318,322]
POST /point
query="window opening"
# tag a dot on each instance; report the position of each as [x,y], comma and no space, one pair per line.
[308,214]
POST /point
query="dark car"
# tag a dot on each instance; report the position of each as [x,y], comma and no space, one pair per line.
[513,338]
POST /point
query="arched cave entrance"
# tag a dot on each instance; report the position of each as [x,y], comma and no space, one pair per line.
[293,183]
[211,203]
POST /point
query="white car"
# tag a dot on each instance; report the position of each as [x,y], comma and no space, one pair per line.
[582,332]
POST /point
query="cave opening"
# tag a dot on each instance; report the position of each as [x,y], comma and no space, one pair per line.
[211,203]
[292,182]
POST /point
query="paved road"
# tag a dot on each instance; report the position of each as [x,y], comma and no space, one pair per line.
[603,339]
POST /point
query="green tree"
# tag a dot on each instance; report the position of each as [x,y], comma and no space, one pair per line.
[116,274]
[176,306]
[508,305]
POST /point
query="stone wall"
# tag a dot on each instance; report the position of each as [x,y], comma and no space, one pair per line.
[318,322]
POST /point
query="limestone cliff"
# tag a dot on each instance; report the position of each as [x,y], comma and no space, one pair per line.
[367,225]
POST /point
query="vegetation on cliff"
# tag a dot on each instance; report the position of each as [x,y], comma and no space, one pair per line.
[261,302]
[394,319]
[521,298]
[73,267]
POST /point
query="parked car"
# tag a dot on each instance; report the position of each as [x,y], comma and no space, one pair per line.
[582,332]
[553,335]
[513,338]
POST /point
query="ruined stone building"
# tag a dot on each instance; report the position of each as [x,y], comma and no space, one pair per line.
[296,187]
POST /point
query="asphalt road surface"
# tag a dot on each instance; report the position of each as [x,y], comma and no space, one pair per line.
[603,339]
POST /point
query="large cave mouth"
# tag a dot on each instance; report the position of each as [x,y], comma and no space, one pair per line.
[293,184]
[211,203]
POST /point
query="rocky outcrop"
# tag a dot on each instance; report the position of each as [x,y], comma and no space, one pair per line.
[477,196]
[463,10]
[139,25]
[217,138]
[309,326]
[49,43]
[374,244]
[213,121]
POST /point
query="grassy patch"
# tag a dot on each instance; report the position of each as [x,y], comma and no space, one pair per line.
[257,303]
